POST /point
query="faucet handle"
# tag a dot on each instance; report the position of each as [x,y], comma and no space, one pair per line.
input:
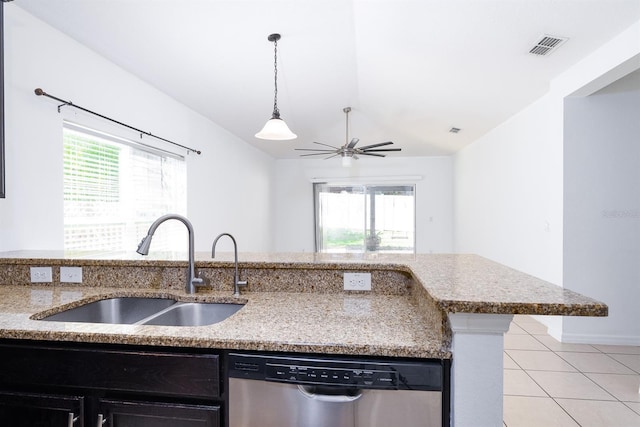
[238,284]
[200,281]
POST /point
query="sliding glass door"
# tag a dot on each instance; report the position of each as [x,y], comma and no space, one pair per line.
[364,218]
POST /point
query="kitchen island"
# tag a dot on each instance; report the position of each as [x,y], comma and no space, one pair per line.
[420,306]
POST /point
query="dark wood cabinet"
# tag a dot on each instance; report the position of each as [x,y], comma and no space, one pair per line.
[145,414]
[74,385]
[41,410]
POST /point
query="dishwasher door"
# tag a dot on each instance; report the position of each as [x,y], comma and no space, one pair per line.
[295,390]
[269,404]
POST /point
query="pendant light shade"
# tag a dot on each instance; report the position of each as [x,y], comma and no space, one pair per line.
[275,128]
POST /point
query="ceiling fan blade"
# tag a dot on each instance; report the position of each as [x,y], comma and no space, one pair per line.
[366,153]
[330,157]
[313,149]
[326,145]
[376,145]
[381,144]
[353,143]
[381,149]
[315,154]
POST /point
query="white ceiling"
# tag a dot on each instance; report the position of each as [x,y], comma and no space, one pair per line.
[410,70]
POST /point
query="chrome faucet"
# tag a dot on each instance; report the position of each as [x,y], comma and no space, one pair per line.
[236,278]
[143,249]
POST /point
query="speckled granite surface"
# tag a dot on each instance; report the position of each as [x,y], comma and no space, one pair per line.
[274,321]
[294,302]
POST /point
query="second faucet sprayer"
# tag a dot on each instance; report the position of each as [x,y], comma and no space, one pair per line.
[236,277]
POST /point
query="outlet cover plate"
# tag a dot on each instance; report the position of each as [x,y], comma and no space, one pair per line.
[357,281]
[41,274]
[70,274]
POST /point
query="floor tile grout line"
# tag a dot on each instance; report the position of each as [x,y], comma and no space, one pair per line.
[566,412]
[598,351]
[550,349]
[625,404]
[622,363]
[584,372]
[538,384]
[514,360]
[546,346]
[510,358]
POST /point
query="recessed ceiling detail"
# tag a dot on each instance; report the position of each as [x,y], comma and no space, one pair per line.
[547,44]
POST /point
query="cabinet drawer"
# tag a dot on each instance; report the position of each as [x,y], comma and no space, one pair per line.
[144,414]
[157,373]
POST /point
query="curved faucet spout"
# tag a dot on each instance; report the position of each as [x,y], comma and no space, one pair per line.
[236,277]
[143,248]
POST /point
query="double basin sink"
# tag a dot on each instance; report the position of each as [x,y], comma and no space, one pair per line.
[148,311]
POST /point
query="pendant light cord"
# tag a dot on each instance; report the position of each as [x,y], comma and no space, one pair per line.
[276,112]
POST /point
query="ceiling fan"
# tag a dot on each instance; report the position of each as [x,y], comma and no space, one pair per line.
[349,151]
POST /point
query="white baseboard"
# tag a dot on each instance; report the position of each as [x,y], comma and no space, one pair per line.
[597,339]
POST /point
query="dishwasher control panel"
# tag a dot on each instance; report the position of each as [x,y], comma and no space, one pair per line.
[365,373]
[331,376]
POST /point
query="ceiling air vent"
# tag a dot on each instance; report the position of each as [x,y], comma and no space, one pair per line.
[547,44]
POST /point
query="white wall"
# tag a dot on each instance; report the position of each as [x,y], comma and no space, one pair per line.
[602,213]
[293,192]
[508,185]
[31,215]
[506,203]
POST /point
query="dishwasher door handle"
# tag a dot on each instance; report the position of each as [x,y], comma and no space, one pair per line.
[311,393]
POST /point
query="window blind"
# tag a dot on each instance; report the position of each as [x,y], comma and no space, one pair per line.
[114,189]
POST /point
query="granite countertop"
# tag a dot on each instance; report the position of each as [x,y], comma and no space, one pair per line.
[269,321]
[294,302]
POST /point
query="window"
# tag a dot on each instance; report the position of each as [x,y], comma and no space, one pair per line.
[365,218]
[114,189]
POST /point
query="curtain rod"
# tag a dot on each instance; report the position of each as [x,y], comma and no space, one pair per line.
[40,92]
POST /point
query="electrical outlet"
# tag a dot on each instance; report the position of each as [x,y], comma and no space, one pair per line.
[357,281]
[41,275]
[70,274]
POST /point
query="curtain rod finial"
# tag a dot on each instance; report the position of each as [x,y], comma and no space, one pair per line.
[39,92]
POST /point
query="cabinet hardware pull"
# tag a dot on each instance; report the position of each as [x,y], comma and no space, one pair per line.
[101,420]
[72,419]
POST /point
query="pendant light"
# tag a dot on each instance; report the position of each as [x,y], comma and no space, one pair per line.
[275,129]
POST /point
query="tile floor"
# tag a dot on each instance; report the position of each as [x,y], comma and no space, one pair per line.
[551,384]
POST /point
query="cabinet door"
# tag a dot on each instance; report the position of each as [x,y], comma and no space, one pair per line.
[145,414]
[40,410]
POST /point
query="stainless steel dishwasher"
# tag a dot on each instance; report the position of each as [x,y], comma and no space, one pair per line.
[298,391]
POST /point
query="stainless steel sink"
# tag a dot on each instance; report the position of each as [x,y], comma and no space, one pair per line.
[124,310]
[148,311]
[194,314]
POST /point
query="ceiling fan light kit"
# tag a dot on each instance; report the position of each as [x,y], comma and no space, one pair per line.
[346,160]
[348,151]
[275,128]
